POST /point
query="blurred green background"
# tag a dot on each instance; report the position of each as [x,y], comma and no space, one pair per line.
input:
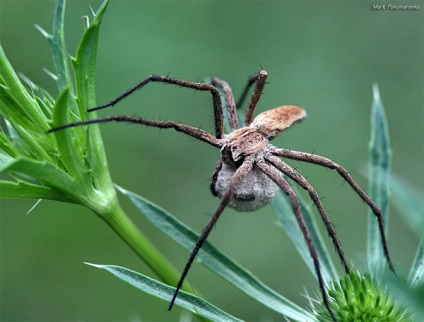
[321,55]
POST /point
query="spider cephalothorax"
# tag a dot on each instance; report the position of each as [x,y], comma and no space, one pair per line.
[256,189]
[250,171]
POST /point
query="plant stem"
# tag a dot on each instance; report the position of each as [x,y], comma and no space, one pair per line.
[118,220]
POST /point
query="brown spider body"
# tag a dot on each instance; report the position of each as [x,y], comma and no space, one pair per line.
[250,171]
[256,189]
[241,143]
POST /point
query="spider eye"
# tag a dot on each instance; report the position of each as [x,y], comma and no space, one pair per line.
[274,122]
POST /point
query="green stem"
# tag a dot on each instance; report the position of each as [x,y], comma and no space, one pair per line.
[117,219]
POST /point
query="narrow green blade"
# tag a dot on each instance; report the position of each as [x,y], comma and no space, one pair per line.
[416,275]
[24,190]
[379,174]
[84,65]
[69,154]
[153,287]
[42,173]
[58,47]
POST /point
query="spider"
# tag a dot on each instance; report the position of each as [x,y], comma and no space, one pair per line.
[250,170]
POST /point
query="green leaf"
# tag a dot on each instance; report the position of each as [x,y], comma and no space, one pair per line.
[58,47]
[6,147]
[42,173]
[23,189]
[217,261]
[85,62]
[85,68]
[379,174]
[65,141]
[153,287]
[288,222]
[13,93]
[416,275]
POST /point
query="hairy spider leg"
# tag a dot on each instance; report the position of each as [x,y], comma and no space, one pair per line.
[256,95]
[215,176]
[274,175]
[229,102]
[218,114]
[330,164]
[238,176]
[232,118]
[189,130]
[243,95]
[301,181]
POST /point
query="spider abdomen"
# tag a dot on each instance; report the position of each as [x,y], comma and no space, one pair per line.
[256,190]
